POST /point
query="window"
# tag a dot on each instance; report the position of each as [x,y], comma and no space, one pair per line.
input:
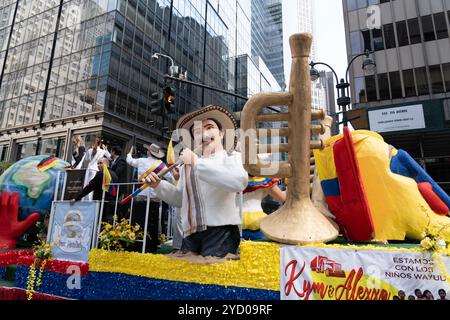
[396,85]
[3,152]
[389,37]
[25,150]
[422,81]
[436,79]
[446,69]
[360,90]
[408,80]
[351,5]
[447,110]
[355,40]
[377,40]
[362,4]
[441,25]
[367,41]
[414,31]
[54,146]
[428,30]
[402,33]
[383,86]
[371,89]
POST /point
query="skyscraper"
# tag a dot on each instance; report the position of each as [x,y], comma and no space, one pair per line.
[267,36]
[299,17]
[85,67]
[407,99]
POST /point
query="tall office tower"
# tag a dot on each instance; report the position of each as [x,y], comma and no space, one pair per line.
[299,17]
[267,36]
[305,12]
[407,99]
[85,67]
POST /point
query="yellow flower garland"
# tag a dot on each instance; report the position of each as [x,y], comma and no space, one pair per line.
[32,277]
[41,272]
[30,282]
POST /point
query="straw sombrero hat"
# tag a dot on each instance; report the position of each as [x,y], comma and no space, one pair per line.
[155,151]
[214,112]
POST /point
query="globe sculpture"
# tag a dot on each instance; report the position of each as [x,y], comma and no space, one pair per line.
[36,189]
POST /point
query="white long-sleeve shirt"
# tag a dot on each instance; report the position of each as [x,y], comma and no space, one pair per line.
[220,178]
[92,167]
[143,165]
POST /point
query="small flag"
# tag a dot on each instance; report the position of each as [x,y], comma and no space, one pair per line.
[170,154]
[160,167]
[255,183]
[47,163]
[106,183]
[157,168]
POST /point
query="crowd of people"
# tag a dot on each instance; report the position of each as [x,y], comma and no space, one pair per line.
[99,155]
[419,295]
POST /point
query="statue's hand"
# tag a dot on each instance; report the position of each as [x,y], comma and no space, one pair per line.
[10,227]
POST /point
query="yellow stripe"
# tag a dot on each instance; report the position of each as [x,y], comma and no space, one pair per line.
[147,173]
[256,179]
[106,179]
[259,267]
[251,220]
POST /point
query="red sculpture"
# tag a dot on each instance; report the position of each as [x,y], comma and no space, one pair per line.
[10,227]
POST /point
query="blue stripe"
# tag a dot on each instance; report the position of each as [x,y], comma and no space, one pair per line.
[135,193]
[403,164]
[52,283]
[331,187]
[116,286]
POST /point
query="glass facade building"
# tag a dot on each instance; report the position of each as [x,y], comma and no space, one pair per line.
[85,67]
[267,36]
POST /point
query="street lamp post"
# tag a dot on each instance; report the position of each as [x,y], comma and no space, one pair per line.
[343,86]
[173,69]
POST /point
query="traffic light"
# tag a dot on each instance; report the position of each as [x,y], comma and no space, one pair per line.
[169,100]
[157,101]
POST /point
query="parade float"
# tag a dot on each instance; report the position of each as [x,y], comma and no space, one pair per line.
[367,191]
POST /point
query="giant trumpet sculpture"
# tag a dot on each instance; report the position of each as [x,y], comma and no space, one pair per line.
[298,221]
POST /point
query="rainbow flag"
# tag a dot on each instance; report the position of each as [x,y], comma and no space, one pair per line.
[106,183]
[47,163]
[170,154]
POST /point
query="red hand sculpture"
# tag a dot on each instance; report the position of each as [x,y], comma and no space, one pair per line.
[10,227]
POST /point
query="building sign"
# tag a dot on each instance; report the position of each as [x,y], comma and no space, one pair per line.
[312,273]
[71,230]
[74,183]
[397,119]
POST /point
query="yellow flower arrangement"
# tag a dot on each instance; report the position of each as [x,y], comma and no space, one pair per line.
[42,253]
[119,235]
[432,240]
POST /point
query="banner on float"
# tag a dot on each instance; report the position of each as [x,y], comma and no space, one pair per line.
[71,230]
[343,274]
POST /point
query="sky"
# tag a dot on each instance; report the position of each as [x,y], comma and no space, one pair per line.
[329,34]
